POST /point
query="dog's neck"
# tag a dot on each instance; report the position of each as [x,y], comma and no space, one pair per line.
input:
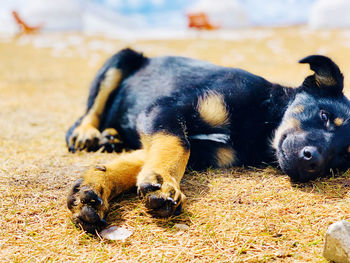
[280,98]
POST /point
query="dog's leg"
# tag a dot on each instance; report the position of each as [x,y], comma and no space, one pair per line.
[162,130]
[89,197]
[86,134]
[159,180]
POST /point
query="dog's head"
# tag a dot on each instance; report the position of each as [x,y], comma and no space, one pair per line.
[314,135]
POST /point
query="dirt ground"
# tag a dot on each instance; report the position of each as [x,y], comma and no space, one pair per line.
[234,215]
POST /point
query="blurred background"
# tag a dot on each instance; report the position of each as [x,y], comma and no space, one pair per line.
[169,18]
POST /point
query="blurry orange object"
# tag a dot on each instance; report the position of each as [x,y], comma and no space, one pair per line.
[24,27]
[200,21]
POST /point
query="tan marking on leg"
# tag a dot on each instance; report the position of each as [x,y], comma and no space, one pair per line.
[287,124]
[116,177]
[212,109]
[349,149]
[165,156]
[88,128]
[338,121]
[110,83]
[225,157]
[298,109]
[165,164]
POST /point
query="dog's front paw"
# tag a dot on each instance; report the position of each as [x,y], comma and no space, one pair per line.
[162,198]
[110,141]
[84,137]
[87,207]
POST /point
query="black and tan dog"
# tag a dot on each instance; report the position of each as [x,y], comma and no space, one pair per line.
[175,112]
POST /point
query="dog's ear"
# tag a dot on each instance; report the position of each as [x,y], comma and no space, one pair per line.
[327,78]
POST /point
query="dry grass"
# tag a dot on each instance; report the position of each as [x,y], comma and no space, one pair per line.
[234,215]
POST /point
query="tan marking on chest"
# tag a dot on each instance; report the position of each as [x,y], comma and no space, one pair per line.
[298,109]
[212,109]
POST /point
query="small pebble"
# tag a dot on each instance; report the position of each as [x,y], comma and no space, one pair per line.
[182,227]
[116,233]
[282,254]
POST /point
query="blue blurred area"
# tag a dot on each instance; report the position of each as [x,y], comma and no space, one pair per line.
[259,12]
[159,13]
[277,12]
[145,6]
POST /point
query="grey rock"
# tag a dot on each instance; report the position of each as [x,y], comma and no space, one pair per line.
[337,242]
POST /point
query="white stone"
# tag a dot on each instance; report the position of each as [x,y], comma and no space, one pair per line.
[182,227]
[337,242]
[116,233]
[330,14]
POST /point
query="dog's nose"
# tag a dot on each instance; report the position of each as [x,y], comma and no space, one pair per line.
[311,159]
[310,153]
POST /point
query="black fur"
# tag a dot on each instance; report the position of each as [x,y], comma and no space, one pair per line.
[162,93]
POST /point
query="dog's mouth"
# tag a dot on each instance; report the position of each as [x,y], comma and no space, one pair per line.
[307,175]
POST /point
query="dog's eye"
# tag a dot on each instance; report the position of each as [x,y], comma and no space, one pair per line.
[346,156]
[347,153]
[324,116]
